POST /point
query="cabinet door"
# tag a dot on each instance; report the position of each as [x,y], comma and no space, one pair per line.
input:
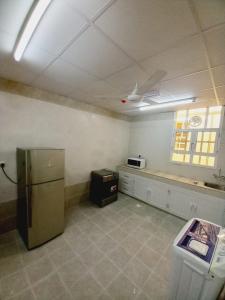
[209,208]
[141,188]
[179,202]
[157,194]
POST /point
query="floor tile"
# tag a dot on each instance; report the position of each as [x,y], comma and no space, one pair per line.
[120,257]
[104,296]
[122,288]
[49,289]
[137,272]
[38,270]
[91,256]
[141,235]
[13,284]
[9,251]
[142,296]
[150,227]
[131,245]
[80,243]
[106,244]
[105,224]
[61,255]
[157,244]
[72,271]
[118,234]
[125,212]
[149,257]
[10,265]
[156,288]
[25,295]
[55,243]
[95,233]
[105,271]
[104,253]
[86,288]
[33,255]
[164,269]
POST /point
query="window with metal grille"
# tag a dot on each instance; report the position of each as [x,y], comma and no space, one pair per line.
[196,136]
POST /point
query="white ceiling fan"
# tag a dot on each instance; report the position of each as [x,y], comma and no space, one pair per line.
[143,93]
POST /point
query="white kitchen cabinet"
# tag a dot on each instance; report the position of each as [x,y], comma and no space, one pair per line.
[141,185]
[208,208]
[157,194]
[179,201]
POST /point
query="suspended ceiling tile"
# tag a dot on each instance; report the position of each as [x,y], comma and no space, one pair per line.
[100,87]
[57,28]
[64,72]
[211,12]
[35,59]
[188,86]
[145,27]
[49,84]
[13,14]
[7,42]
[96,54]
[187,57]
[215,42]
[126,79]
[221,94]
[15,71]
[89,8]
[219,75]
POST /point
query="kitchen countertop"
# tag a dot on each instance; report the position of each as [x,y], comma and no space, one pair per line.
[185,182]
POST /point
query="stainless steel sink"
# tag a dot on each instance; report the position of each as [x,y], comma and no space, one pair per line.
[215,186]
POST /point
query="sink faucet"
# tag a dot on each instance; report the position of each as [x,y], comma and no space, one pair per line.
[219,177]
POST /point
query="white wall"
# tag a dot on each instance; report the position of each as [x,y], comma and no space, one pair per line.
[151,136]
[92,141]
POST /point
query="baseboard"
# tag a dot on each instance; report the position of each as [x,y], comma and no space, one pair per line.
[73,195]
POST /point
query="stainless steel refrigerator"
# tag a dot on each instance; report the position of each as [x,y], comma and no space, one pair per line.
[40,205]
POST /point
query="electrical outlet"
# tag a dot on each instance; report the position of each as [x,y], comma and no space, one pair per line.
[2,164]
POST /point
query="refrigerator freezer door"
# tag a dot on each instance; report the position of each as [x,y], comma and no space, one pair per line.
[46,207]
[46,165]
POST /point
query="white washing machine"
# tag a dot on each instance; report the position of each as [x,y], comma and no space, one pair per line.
[198,262]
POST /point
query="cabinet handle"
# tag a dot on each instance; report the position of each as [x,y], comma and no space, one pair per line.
[167,205]
[169,192]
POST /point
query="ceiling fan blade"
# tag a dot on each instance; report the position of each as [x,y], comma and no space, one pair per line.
[108,96]
[152,81]
[134,92]
[148,100]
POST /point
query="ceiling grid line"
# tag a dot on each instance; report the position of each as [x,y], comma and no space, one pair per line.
[198,24]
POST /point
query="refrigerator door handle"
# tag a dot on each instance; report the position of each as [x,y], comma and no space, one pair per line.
[30,205]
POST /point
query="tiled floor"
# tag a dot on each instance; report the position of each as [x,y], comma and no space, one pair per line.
[119,252]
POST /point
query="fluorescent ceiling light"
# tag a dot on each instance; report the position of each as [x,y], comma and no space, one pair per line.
[29,27]
[167,104]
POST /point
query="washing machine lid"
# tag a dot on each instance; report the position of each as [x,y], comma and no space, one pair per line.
[200,239]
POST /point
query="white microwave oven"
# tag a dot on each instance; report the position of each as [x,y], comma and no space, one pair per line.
[138,163]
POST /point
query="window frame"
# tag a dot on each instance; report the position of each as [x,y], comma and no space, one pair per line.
[193,141]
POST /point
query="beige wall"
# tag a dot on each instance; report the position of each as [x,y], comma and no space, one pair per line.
[91,140]
[150,136]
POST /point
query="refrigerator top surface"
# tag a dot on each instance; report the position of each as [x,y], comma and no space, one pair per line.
[44,165]
[39,148]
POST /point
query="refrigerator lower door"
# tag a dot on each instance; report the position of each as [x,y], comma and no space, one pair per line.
[46,165]
[45,212]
